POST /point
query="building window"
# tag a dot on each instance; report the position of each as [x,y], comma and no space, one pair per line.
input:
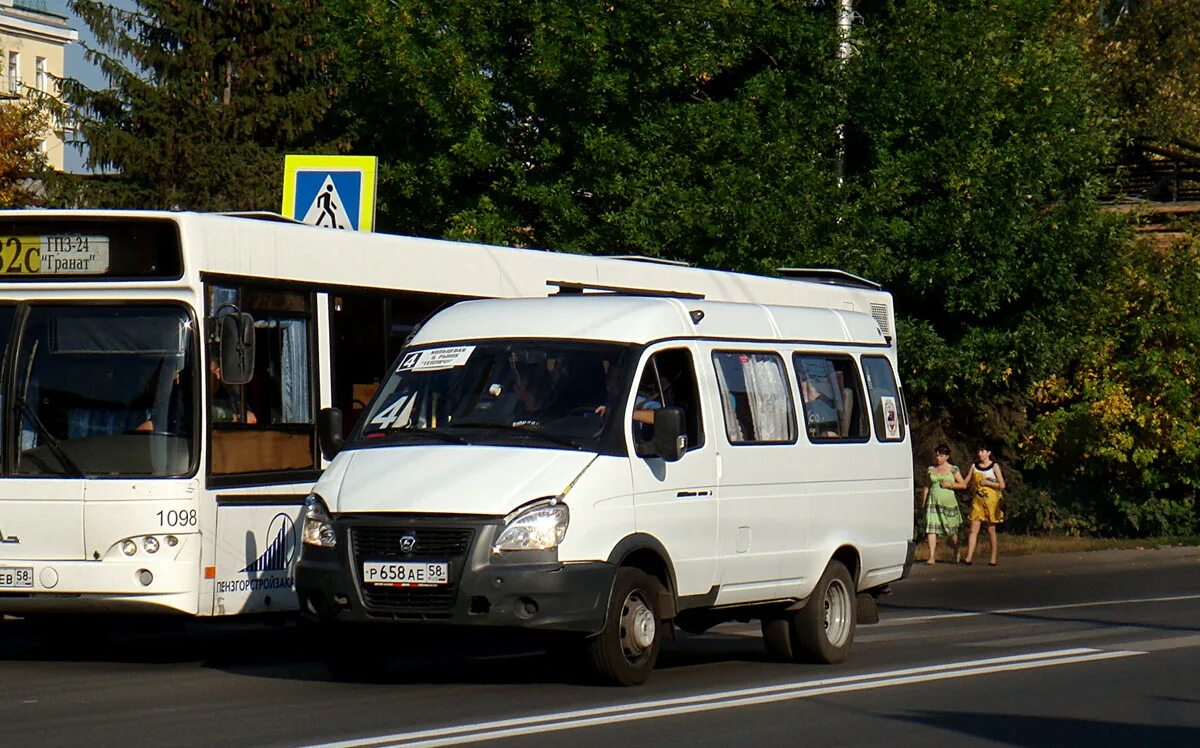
[40,79]
[14,72]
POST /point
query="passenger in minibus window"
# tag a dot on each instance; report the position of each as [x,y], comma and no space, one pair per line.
[645,401]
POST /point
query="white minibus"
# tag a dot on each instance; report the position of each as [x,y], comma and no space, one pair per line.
[601,467]
[162,375]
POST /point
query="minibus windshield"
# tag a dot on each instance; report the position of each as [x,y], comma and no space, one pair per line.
[103,391]
[527,392]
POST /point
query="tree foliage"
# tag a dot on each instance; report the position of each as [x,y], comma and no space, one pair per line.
[702,132]
[1116,432]
[205,98]
[1146,51]
[22,125]
[976,139]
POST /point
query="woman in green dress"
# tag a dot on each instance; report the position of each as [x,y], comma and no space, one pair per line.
[942,516]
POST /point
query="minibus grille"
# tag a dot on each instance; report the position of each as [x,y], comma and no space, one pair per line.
[434,543]
[376,543]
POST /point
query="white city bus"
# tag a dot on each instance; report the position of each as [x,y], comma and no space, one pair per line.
[162,375]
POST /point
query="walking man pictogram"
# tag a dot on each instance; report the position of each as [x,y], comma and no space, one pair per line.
[325,202]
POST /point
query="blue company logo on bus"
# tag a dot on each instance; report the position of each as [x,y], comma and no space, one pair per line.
[281,547]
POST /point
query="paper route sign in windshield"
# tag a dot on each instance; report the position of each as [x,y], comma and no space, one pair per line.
[436,358]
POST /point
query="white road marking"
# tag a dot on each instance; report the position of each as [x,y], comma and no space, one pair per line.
[1167,643]
[1033,609]
[580,718]
[1047,640]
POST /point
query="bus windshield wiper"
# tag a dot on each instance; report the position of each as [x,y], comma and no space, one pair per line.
[51,441]
[530,430]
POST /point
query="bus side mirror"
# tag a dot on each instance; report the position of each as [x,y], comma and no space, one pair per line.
[670,438]
[329,432]
[237,348]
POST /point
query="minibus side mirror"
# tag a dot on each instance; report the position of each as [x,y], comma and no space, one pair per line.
[237,348]
[329,432]
[670,439]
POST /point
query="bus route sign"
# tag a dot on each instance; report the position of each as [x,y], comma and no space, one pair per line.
[332,191]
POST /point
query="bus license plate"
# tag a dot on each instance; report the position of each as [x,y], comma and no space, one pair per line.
[16,576]
[406,573]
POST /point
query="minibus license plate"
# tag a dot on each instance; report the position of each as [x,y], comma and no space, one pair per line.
[406,573]
[16,576]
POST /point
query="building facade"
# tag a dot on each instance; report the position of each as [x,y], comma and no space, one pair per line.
[32,43]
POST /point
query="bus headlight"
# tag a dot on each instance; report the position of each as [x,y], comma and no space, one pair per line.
[539,528]
[150,543]
[318,527]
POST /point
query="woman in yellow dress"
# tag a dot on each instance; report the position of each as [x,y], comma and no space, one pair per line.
[986,482]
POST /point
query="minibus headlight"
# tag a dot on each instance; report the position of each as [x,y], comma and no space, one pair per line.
[538,528]
[318,527]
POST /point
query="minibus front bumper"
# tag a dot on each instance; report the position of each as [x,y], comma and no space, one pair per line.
[521,590]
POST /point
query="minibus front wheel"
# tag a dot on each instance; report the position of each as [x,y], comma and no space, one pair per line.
[821,631]
[626,649]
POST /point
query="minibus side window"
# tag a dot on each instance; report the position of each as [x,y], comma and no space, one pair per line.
[755,397]
[831,395]
[669,380]
[886,403]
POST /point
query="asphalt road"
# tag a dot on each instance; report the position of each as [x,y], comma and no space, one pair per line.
[1088,649]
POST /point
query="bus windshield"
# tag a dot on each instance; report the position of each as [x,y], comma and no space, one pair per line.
[103,391]
[526,392]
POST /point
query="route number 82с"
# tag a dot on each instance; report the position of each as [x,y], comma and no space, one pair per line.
[177,518]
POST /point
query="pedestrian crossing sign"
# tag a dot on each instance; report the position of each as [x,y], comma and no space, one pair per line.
[331,191]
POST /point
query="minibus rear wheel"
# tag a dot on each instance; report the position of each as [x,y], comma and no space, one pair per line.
[823,630]
[624,652]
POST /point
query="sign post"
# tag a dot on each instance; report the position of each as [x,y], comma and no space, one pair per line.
[333,191]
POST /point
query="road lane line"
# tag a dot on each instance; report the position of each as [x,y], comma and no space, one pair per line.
[1091,633]
[1033,609]
[1165,643]
[494,730]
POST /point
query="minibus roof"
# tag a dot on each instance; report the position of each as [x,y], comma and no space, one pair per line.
[641,320]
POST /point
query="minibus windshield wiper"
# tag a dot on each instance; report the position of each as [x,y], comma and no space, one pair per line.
[53,443]
[435,433]
[530,430]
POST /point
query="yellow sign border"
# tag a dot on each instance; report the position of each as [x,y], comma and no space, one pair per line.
[368,166]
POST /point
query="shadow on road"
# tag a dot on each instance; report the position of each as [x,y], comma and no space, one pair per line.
[1052,732]
[294,652]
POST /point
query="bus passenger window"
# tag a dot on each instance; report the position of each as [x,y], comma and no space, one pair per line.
[755,398]
[266,425]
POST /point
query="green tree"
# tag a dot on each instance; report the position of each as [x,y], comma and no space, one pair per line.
[697,131]
[1147,53]
[205,98]
[1117,431]
[977,131]
[22,124]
